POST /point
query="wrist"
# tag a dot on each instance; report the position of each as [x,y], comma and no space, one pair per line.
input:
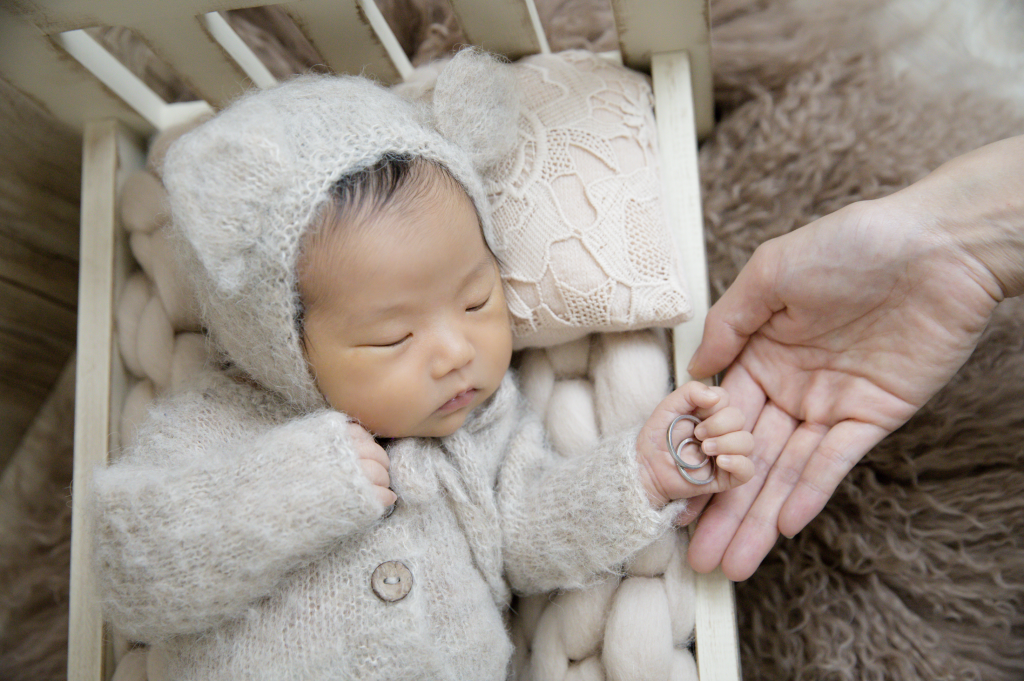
[649,480]
[973,209]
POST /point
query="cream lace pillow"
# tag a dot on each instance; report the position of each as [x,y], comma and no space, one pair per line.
[578,219]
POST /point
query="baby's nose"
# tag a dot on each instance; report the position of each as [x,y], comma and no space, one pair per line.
[454,351]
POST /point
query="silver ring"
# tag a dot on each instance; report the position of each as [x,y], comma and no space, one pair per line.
[677,456]
[694,481]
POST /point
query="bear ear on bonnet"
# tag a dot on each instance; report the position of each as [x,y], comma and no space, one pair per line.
[476,106]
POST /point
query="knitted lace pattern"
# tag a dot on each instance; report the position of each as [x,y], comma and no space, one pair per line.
[577,207]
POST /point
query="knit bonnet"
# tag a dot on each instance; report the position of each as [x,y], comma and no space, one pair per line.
[246,185]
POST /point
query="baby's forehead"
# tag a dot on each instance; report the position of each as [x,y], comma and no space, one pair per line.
[428,237]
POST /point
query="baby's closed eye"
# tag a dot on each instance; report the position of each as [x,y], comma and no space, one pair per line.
[388,343]
[479,306]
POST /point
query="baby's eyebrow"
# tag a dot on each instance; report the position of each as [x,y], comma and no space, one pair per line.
[485,265]
[386,311]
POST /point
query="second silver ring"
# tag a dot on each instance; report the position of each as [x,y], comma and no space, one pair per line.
[675,451]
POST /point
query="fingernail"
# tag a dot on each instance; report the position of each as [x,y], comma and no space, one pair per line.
[689,367]
[700,432]
[710,447]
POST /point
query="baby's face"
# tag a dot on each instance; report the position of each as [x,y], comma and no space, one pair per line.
[412,333]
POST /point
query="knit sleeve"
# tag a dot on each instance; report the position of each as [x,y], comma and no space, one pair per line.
[570,521]
[209,511]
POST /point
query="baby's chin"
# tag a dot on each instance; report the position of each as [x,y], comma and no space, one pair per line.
[431,428]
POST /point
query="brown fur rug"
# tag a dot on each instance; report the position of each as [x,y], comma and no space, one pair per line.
[915,569]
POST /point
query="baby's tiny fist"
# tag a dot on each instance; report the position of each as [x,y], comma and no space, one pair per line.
[374,463]
[719,435]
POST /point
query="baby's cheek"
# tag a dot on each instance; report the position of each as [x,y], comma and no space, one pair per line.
[394,404]
[501,344]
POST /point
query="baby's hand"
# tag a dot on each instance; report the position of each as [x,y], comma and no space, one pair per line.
[722,435]
[374,462]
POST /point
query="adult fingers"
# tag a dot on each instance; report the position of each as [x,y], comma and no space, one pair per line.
[726,512]
[745,394]
[694,506]
[758,531]
[746,305]
[844,445]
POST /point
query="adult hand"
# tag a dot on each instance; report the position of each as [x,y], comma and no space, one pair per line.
[839,332]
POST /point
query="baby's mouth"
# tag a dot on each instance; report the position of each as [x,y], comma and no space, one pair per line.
[463,399]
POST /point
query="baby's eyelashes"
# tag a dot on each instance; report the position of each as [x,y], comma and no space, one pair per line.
[479,306]
[389,344]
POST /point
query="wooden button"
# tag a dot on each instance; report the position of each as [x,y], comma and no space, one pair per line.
[391,581]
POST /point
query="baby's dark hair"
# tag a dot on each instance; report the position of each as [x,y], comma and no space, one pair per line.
[393,178]
[393,181]
[374,187]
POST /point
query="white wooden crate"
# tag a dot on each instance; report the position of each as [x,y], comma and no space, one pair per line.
[44,49]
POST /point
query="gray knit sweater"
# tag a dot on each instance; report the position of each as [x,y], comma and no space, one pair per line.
[242,538]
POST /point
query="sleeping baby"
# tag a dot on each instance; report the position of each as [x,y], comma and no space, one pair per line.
[358,488]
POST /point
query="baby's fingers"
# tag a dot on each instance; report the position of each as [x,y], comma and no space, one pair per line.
[740,469]
[727,420]
[375,473]
[378,475]
[739,443]
[691,398]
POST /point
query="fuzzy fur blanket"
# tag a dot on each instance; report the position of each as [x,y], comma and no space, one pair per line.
[915,569]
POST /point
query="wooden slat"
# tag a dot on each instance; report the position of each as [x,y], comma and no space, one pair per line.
[341,33]
[125,84]
[716,636]
[100,380]
[115,75]
[57,16]
[196,57]
[92,384]
[36,67]
[176,31]
[219,28]
[509,27]
[387,37]
[647,27]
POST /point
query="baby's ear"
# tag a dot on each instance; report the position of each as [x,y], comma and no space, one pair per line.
[476,105]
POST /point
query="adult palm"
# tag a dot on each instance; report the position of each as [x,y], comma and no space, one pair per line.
[836,333]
